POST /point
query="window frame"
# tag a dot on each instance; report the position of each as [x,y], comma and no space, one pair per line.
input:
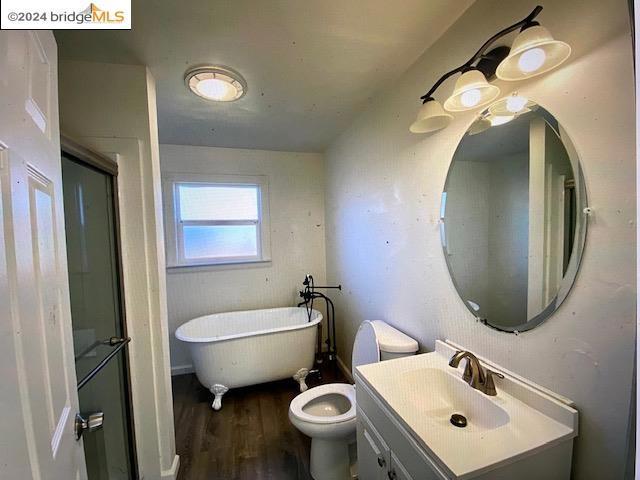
[174,225]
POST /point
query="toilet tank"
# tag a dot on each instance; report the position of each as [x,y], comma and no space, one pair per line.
[392,342]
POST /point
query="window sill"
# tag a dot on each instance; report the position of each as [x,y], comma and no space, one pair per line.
[205,267]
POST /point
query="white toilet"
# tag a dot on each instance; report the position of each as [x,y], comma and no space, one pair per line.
[327,413]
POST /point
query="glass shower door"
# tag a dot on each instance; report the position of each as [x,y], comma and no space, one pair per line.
[97,316]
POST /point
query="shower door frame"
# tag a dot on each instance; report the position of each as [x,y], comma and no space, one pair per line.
[84,155]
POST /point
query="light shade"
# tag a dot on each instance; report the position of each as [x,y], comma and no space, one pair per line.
[534,51]
[471,91]
[219,84]
[479,126]
[511,105]
[431,117]
[497,120]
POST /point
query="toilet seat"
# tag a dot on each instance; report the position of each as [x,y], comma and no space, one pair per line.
[346,390]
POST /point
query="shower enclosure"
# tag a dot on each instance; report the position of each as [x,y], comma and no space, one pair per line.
[99,330]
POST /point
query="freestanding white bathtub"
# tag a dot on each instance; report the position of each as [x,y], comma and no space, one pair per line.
[237,349]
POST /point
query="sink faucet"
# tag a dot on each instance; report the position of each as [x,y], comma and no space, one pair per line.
[474,374]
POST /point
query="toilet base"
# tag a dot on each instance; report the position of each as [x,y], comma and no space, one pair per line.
[330,459]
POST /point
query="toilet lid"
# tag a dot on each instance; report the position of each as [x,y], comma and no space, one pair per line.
[365,346]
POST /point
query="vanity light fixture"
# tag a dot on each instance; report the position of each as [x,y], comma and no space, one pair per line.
[534,51]
[513,104]
[500,119]
[215,83]
[479,126]
[431,117]
[472,90]
[516,103]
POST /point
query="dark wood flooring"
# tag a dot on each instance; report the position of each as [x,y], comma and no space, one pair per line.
[250,438]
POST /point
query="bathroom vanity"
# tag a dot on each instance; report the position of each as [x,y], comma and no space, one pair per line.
[405,430]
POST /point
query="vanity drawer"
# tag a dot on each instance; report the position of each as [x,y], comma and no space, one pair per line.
[406,451]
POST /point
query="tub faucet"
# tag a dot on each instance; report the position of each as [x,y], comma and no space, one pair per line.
[474,374]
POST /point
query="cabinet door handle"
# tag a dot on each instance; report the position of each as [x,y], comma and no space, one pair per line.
[391,474]
[381,461]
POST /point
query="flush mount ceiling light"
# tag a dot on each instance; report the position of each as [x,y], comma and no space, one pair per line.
[497,120]
[534,51]
[501,112]
[215,83]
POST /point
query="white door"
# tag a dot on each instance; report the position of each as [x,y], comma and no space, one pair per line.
[38,398]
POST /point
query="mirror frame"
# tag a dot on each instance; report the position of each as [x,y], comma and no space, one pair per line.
[568,280]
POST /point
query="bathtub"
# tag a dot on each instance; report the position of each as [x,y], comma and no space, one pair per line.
[236,349]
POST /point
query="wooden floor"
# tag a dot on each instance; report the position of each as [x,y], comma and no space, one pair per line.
[249,438]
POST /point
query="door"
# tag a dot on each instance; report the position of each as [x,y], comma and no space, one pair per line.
[373,453]
[397,470]
[38,396]
[97,312]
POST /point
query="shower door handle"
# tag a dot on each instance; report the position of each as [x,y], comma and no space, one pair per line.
[89,422]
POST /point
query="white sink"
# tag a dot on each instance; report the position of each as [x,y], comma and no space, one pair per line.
[437,394]
[423,391]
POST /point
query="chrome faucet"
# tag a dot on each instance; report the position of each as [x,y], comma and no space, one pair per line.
[474,374]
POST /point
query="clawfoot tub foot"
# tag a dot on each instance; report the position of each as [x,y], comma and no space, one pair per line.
[218,390]
[301,376]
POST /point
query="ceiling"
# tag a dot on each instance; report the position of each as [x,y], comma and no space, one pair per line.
[501,141]
[310,65]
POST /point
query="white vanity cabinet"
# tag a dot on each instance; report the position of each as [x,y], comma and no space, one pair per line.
[375,460]
[404,433]
[373,454]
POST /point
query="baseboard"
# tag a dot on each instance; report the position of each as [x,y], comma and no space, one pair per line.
[172,473]
[181,370]
[343,368]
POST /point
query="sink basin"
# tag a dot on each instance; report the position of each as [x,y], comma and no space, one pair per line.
[422,392]
[437,395]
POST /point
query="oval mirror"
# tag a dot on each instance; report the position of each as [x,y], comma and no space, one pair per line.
[512,221]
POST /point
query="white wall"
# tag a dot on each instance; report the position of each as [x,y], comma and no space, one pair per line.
[508,238]
[383,199]
[112,109]
[467,230]
[296,196]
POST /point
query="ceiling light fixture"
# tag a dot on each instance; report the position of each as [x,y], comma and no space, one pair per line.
[534,51]
[215,83]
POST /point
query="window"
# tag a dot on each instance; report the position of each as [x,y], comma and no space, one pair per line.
[216,220]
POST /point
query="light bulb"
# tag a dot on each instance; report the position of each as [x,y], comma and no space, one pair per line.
[532,60]
[216,89]
[515,103]
[500,119]
[470,98]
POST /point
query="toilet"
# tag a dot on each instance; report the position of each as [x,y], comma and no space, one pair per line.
[327,413]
